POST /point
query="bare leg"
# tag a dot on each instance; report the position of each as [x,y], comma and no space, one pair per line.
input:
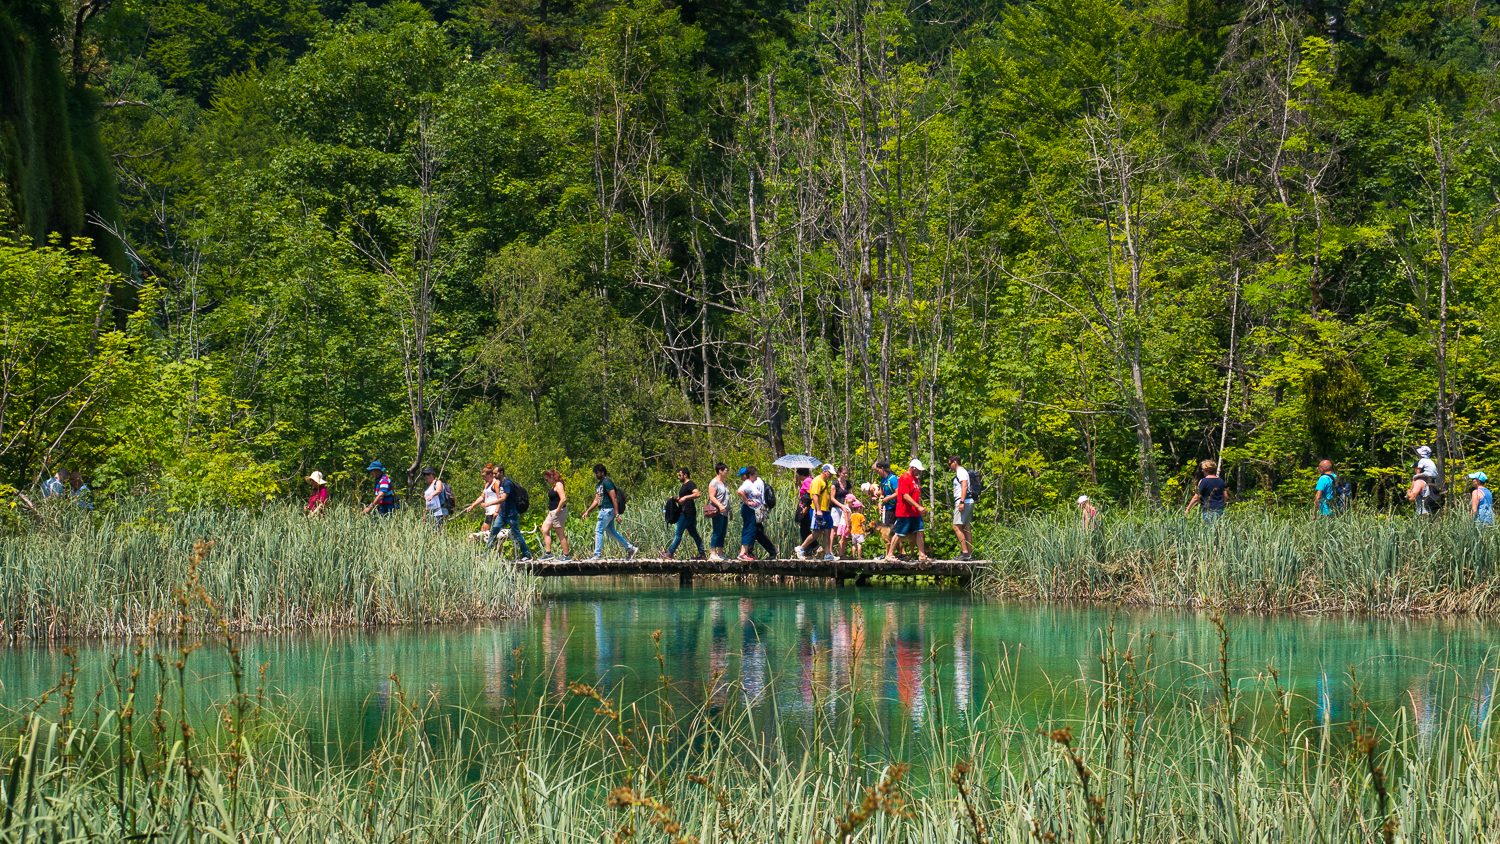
[562,540]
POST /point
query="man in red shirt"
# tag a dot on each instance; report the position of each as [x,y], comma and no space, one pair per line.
[909,511]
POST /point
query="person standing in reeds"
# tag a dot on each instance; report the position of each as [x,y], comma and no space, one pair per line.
[385,494]
[1213,493]
[79,491]
[1323,490]
[437,498]
[1481,501]
[319,499]
[57,484]
[687,513]
[1421,492]
[557,514]
[1087,511]
[489,496]
[716,508]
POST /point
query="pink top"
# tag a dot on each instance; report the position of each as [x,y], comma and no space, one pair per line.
[316,501]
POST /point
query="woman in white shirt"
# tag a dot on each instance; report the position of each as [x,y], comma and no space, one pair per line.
[753,514]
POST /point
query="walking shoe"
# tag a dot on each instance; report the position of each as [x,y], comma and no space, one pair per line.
[525,559]
[964,558]
[800,552]
[597,557]
[716,557]
[747,558]
[831,557]
[563,558]
[630,554]
[547,555]
[668,555]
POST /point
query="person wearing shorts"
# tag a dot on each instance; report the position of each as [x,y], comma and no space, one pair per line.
[557,515]
[963,509]
[909,512]
[823,503]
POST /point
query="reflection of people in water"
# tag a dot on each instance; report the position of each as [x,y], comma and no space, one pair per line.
[805,655]
[718,657]
[910,683]
[555,646]
[603,653]
[840,655]
[962,664]
[1484,692]
[752,656]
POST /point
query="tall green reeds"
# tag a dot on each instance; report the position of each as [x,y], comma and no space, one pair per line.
[115,574]
[1252,560]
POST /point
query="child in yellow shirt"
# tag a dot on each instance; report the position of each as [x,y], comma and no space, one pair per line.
[856,525]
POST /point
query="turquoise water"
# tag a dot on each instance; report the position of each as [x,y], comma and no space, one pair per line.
[912,654]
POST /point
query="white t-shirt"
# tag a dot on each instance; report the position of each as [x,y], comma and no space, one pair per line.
[434,501]
[755,492]
[960,479]
[1428,465]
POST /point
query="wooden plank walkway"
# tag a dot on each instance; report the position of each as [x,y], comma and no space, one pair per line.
[856,570]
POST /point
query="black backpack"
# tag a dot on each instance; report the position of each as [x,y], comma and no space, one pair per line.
[521,498]
[1341,496]
[624,499]
[445,499]
[770,497]
[976,485]
[671,511]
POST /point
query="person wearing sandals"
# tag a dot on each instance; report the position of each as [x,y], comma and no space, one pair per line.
[557,515]
[909,511]
[489,497]
[716,509]
[753,515]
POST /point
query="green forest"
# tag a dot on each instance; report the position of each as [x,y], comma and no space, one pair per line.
[1083,244]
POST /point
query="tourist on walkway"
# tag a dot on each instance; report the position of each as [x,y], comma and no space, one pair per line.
[716,508]
[1481,502]
[1323,490]
[557,515]
[840,511]
[804,505]
[909,512]
[1213,493]
[607,499]
[963,509]
[856,525]
[753,515]
[319,499]
[489,497]
[687,513]
[886,502]
[821,493]
[385,494]
[436,500]
[508,518]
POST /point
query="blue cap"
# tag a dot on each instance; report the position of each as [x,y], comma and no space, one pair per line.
[375,466]
[1480,476]
[743,470]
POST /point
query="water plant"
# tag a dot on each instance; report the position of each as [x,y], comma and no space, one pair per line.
[1251,560]
[112,574]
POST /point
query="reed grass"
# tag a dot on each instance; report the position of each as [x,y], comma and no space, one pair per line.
[1251,560]
[118,573]
[1138,763]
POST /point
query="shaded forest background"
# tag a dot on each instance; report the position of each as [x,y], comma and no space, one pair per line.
[1082,243]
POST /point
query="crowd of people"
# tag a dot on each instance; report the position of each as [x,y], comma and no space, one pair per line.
[830,511]
[1333,494]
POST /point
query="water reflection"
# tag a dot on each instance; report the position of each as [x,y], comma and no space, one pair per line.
[791,654]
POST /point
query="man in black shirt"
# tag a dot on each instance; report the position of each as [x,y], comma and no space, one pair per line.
[687,514]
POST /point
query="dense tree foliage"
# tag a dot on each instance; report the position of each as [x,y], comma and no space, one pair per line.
[1082,243]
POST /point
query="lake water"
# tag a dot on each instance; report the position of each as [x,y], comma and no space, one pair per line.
[780,650]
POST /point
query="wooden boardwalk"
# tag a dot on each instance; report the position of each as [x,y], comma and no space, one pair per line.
[857,570]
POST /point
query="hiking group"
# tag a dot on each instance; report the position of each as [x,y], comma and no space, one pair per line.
[829,510]
[1333,494]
